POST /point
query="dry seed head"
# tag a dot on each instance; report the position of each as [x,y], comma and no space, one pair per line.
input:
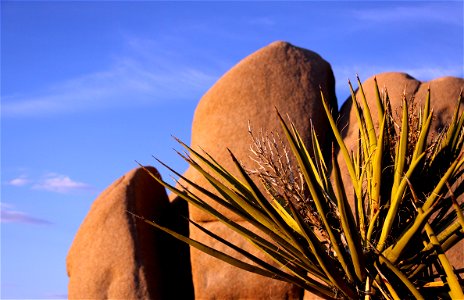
[282,179]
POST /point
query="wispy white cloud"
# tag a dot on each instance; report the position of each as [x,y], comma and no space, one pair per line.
[51,182]
[422,12]
[144,76]
[19,181]
[60,184]
[9,215]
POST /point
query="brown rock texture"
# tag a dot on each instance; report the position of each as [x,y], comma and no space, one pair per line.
[444,95]
[214,279]
[115,256]
[279,75]
[310,296]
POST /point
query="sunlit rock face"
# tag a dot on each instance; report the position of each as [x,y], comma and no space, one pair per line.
[280,76]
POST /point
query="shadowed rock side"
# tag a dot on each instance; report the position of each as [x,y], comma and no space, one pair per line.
[444,95]
[117,256]
[279,75]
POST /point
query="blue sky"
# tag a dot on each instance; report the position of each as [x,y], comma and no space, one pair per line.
[89,87]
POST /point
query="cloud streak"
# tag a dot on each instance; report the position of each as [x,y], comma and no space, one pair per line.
[9,215]
[60,184]
[20,181]
[139,78]
[52,182]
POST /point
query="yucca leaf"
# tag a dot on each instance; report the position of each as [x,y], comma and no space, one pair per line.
[318,165]
[299,278]
[372,225]
[451,230]
[213,252]
[456,142]
[403,278]
[246,205]
[299,144]
[446,238]
[243,202]
[315,190]
[363,153]
[348,225]
[393,252]
[378,101]
[395,204]
[286,250]
[458,210]
[376,284]
[248,254]
[276,236]
[308,284]
[363,130]
[230,206]
[241,213]
[451,132]
[442,216]
[359,201]
[422,140]
[368,118]
[453,283]
[453,240]
[437,190]
[219,170]
[396,270]
[260,218]
[286,216]
[320,253]
[377,167]
[400,157]
[392,292]
[267,207]
[426,109]
[342,146]
[318,155]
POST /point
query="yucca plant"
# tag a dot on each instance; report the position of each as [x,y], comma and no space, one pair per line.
[406,215]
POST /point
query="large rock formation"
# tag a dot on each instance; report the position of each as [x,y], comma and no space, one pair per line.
[117,256]
[279,75]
